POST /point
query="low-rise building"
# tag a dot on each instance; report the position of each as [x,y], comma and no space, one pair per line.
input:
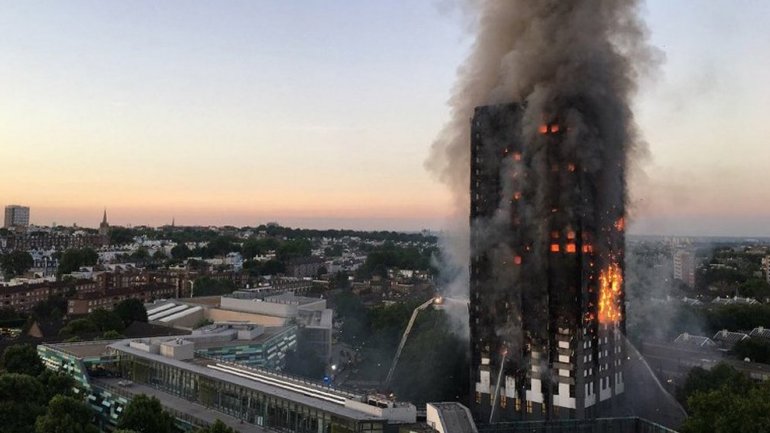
[198,390]
[728,339]
[24,297]
[84,303]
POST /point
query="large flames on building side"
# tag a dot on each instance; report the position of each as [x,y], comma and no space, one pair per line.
[610,287]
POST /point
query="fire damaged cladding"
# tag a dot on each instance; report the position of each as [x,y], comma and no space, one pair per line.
[546,278]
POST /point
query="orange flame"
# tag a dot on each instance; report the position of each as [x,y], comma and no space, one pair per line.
[610,284]
[620,224]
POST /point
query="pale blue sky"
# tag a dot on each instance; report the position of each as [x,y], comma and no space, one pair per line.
[321,112]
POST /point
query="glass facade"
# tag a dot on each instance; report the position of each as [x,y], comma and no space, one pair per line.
[241,402]
[267,354]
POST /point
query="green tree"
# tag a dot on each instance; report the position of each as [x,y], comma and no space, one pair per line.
[52,308]
[724,410]
[56,383]
[23,359]
[121,235]
[112,335]
[180,252]
[73,259]
[66,415]
[22,399]
[434,364]
[141,255]
[131,310]
[146,415]
[217,427]
[78,326]
[272,267]
[294,248]
[202,322]
[757,350]
[106,320]
[722,375]
[206,286]
[159,256]
[255,247]
[15,263]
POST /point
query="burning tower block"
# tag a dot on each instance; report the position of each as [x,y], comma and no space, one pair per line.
[547,315]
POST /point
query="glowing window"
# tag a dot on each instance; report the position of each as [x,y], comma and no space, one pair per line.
[570,235]
[517,156]
[555,234]
[554,248]
[543,129]
[571,248]
[517,260]
[529,406]
[554,129]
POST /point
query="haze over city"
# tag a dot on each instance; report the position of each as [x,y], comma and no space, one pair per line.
[320,114]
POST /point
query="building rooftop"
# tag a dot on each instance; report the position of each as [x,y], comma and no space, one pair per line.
[291,299]
[760,332]
[729,338]
[454,417]
[85,349]
[180,407]
[305,393]
[694,340]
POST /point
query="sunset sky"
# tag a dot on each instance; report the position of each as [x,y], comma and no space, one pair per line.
[320,113]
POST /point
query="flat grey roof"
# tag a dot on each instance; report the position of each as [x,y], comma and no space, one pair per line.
[179,404]
[326,406]
[86,349]
[267,334]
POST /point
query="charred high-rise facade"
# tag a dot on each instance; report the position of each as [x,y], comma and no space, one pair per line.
[547,314]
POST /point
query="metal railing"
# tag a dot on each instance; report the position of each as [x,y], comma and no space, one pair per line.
[598,425]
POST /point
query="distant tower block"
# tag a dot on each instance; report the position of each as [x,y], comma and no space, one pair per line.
[546,275]
[16,216]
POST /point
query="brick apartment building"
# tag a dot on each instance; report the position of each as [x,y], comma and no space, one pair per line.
[24,297]
[84,303]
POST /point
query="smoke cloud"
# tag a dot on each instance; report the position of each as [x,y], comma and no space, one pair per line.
[576,61]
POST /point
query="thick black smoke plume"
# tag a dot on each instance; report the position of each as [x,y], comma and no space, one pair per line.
[575,62]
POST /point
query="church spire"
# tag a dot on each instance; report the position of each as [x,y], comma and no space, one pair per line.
[104,220]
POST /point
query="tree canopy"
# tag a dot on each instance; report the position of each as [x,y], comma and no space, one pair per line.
[66,415]
[146,415]
[15,263]
[724,400]
[22,359]
[131,310]
[217,427]
[73,259]
[22,399]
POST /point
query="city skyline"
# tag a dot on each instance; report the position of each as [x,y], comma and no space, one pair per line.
[322,115]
